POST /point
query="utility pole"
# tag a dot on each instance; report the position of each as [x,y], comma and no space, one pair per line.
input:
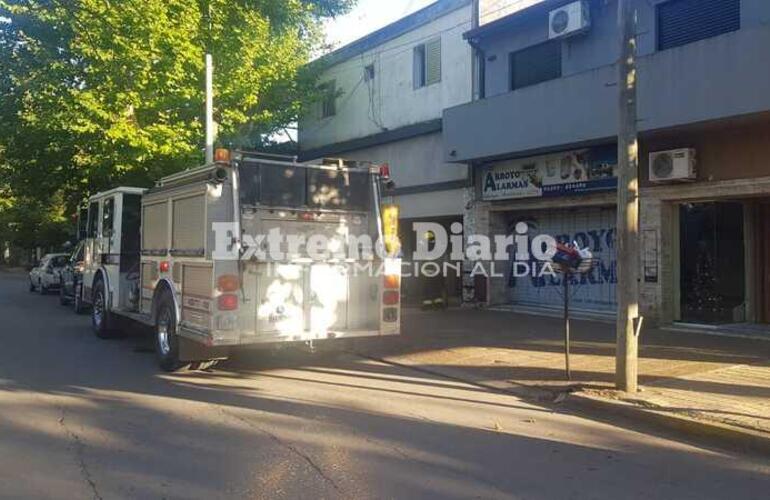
[210,126]
[629,321]
[210,132]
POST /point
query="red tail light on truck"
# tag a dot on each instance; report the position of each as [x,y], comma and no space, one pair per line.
[227,302]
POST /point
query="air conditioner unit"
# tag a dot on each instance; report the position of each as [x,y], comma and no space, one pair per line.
[672,166]
[569,20]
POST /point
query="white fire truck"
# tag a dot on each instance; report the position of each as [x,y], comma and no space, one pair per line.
[151,256]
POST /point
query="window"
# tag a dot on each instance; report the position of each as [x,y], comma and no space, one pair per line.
[369,73]
[427,63]
[59,261]
[108,217]
[336,190]
[304,187]
[686,21]
[93,219]
[83,224]
[79,254]
[329,99]
[132,223]
[536,64]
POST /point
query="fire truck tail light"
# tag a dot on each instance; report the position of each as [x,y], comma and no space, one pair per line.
[385,171]
[228,283]
[392,281]
[227,302]
[391,298]
[164,266]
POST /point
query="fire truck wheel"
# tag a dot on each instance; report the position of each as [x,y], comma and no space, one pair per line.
[100,315]
[166,340]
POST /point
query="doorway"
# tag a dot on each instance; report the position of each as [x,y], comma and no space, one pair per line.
[713,263]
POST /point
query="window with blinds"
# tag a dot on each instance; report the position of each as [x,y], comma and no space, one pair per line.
[535,64]
[427,63]
[686,21]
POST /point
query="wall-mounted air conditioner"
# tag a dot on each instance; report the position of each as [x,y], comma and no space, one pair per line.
[569,20]
[673,166]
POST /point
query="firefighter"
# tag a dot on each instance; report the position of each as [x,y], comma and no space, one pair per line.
[433,287]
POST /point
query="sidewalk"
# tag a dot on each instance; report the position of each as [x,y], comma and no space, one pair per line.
[694,382]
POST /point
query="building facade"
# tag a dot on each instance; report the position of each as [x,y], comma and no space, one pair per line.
[385,95]
[541,142]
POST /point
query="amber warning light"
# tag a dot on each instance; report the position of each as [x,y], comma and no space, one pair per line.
[222,155]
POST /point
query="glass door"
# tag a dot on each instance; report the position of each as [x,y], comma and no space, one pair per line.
[712,260]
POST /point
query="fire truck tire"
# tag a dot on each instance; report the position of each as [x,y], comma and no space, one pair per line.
[100,314]
[166,339]
[31,287]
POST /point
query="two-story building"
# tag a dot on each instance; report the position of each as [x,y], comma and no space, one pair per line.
[384,98]
[542,143]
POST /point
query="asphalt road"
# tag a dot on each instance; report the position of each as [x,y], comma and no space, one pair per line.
[87,418]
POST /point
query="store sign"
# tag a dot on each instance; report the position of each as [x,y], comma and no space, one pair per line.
[563,174]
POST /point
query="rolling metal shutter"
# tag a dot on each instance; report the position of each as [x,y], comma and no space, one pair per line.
[593,228]
[686,21]
[155,227]
[536,64]
[188,232]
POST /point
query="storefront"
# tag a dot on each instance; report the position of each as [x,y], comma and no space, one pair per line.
[706,252]
[568,195]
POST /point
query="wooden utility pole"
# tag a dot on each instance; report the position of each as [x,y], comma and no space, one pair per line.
[629,321]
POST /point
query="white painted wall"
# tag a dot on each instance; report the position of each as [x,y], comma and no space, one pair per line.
[418,162]
[390,101]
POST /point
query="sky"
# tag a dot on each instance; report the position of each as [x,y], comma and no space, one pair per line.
[368,16]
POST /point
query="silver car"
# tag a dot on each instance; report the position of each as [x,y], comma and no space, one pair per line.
[45,276]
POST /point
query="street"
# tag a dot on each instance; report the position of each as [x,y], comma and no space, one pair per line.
[86,418]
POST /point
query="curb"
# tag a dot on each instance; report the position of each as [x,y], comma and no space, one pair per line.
[521,390]
[719,434]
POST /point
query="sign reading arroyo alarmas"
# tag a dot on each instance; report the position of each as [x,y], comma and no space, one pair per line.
[562,174]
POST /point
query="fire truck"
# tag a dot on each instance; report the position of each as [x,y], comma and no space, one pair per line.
[189,257]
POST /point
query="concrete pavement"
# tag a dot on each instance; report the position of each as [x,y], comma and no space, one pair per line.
[86,418]
[704,385]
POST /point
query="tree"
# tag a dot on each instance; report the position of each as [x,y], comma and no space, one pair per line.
[98,93]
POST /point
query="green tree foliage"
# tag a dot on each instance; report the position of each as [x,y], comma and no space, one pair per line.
[98,93]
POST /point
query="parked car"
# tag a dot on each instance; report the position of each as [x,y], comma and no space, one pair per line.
[71,280]
[45,276]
